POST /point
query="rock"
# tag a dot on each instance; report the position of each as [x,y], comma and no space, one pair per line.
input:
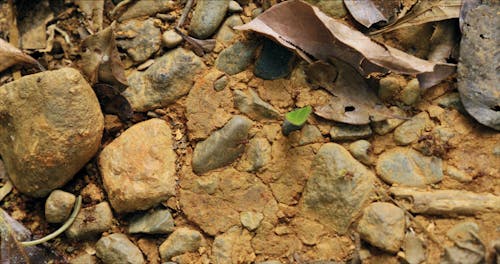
[361,150]
[234,7]
[383,226]
[207,109]
[463,231]
[410,93]
[390,86]
[414,249]
[274,61]
[117,248]
[267,242]
[92,193]
[226,33]
[309,134]
[451,101]
[138,167]
[386,126]
[84,258]
[337,189]
[256,156]
[251,220]
[51,125]
[256,12]
[457,174]
[171,39]
[156,222]
[407,167]
[91,222]
[207,17]
[233,247]
[468,248]
[341,132]
[168,79]
[412,129]
[147,8]
[58,206]
[181,241]
[140,38]
[249,103]
[237,57]
[221,83]
[307,230]
[223,146]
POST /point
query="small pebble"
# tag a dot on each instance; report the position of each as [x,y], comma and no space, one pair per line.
[221,83]
[117,248]
[389,87]
[91,222]
[457,174]
[156,222]
[234,7]
[58,206]
[171,39]
[411,92]
[179,242]
[360,150]
[256,12]
[251,220]
[145,65]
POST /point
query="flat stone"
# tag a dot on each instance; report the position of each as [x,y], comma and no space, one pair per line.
[256,156]
[237,57]
[386,126]
[390,86]
[51,125]
[138,167]
[168,79]
[84,258]
[463,232]
[139,38]
[223,146]
[361,150]
[308,134]
[117,248]
[451,101]
[411,92]
[308,231]
[274,61]
[58,206]
[233,247]
[251,220]
[252,105]
[383,226]
[179,242]
[234,7]
[457,174]
[147,8]
[342,132]
[171,39]
[414,249]
[207,17]
[407,167]
[91,222]
[338,188]
[412,129]
[156,222]
[468,248]
[221,83]
[226,33]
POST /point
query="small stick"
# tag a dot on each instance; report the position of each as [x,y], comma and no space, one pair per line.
[185,12]
[14,34]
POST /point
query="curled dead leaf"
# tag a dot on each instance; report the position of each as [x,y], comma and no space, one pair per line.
[365,12]
[11,56]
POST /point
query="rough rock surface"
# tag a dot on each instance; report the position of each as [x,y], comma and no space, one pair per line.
[256,156]
[117,248]
[408,167]
[341,132]
[91,222]
[138,167]
[181,241]
[50,126]
[337,189]
[237,57]
[250,104]
[251,220]
[145,8]
[157,222]
[140,38]
[58,206]
[383,225]
[233,247]
[412,129]
[168,79]
[207,17]
[226,32]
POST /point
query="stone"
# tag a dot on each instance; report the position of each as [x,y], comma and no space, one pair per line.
[389,87]
[342,132]
[237,57]
[181,241]
[233,247]
[337,189]
[308,231]
[407,167]
[411,92]
[117,248]
[267,242]
[274,61]
[206,108]
[386,126]
[221,83]
[468,249]
[51,125]
[457,174]
[411,130]
[250,104]
[383,226]
[309,134]
[156,222]
[451,101]
[414,249]
[222,147]
[171,39]
[139,38]
[361,150]
[138,167]
[256,12]
[207,17]
[256,156]
[226,33]
[168,79]
[147,8]
[58,206]
[463,231]
[91,192]
[234,7]
[251,220]
[91,222]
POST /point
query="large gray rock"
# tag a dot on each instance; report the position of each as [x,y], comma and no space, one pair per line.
[156,222]
[207,17]
[117,248]
[181,241]
[168,79]
[138,167]
[407,167]
[140,38]
[91,222]
[50,126]
[223,146]
[337,189]
[237,57]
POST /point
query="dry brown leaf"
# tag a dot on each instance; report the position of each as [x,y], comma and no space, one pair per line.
[11,56]
[305,29]
[365,12]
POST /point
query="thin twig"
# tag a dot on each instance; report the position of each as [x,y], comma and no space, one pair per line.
[185,12]
[14,34]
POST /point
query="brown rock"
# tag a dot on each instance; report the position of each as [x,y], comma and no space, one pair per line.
[91,222]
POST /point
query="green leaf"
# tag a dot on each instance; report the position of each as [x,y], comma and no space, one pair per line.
[299,116]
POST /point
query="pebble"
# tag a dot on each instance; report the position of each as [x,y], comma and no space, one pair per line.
[58,206]
[411,130]
[117,248]
[169,78]
[451,101]
[407,167]
[233,247]
[457,174]
[223,146]
[91,222]
[207,17]
[226,33]
[147,8]
[156,222]
[138,167]
[414,249]
[361,151]
[337,189]
[256,12]
[251,220]
[221,83]
[234,7]
[274,61]
[252,105]
[237,57]
[411,92]
[389,87]
[256,156]
[309,134]
[467,249]
[181,241]
[139,38]
[48,112]
[383,226]
[386,126]
[308,231]
[171,39]
[343,132]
